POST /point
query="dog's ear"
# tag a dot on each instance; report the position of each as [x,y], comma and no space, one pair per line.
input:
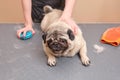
[70,34]
[44,37]
[47,9]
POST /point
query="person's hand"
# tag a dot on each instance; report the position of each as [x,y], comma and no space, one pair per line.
[24,30]
[70,22]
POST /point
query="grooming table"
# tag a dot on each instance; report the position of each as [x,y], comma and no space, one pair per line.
[25,59]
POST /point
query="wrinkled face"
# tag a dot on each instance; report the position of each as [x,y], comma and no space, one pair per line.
[58,41]
[57,45]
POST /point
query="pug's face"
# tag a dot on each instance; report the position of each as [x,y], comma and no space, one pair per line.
[58,41]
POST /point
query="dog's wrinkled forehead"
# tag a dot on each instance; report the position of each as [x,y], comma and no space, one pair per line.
[56,34]
[66,34]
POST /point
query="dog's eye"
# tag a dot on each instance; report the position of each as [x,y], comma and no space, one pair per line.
[49,41]
[63,40]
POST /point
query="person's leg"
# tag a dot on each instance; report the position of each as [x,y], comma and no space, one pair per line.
[37,8]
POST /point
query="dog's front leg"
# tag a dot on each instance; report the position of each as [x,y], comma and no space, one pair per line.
[83,54]
[51,58]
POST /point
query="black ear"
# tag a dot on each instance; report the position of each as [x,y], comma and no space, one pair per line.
[70,34]
[44,37]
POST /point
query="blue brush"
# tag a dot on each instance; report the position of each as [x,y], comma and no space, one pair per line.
[27,36]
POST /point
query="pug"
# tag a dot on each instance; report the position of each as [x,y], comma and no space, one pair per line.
[59,39]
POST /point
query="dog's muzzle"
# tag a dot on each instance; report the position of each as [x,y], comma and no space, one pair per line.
[56,46]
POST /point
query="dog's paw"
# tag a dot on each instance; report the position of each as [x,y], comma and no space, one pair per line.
[85,61]
[52,61]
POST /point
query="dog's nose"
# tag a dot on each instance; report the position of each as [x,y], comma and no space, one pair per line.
[56,47]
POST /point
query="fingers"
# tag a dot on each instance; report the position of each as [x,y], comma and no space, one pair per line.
[24,33]
[18,33]
[74,26]
[71,23]
[33,32]
[24,30]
